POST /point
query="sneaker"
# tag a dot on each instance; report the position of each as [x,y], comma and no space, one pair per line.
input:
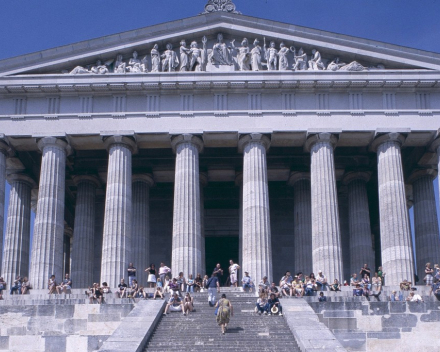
[164,313]
[184,313]
[270,313]
[259,313]
[265,313]
[281,314]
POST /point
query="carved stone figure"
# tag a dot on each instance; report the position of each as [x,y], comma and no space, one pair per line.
[282,54]
[120,66]
[244,56]
[271,56]
[353,66]
[99,68]
[335,65]
[135,65]
[220,5]
[315,63]
[79,70]
[169,59]
[300,59]
[184,56]
[221,53]
[155,59]
[198,56]
[256,56]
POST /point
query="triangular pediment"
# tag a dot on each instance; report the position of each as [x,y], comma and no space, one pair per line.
[356,53]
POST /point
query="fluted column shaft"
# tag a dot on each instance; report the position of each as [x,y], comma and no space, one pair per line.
[203,183]
[257,246]
[18,228]
[326,237]
[140,240]
[84,232]
[397,257]
[48,236]
[425,222]
[116,242]
[345,231]
[3,151]
[361,246]
[302,229]
[187,242]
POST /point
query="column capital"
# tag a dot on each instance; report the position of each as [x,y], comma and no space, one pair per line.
[296,176]
[356,175]
[146,178]
[435,145]
[19,177]
[187,138]
[238,178]
[253,137]
[5,148]
[77,179]
[393,136]
[121,140]
[203,177]
[321,137]
[418,173]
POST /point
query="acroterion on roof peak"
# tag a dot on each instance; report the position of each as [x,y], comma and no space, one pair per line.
[220,5]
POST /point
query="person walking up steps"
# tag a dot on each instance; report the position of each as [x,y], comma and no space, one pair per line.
[225,311]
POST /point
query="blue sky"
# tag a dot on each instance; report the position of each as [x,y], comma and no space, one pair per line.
[33,25]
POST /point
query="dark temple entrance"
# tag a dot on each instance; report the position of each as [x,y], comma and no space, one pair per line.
[221,250]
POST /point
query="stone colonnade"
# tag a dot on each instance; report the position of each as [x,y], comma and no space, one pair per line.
[317,223]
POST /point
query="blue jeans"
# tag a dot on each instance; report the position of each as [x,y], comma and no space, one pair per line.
[309,291]
[130,280]
[320,285]
[190,288]
[249,286]
[264,308]
[15,288]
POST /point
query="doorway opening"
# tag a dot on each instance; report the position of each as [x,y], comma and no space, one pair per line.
[221,250]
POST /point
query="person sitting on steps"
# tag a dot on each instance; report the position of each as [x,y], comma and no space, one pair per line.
[274,305]
[175,304]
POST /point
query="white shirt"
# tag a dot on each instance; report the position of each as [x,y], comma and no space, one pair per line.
[233,268]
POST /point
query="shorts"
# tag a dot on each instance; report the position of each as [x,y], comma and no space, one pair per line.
[233,278]
[175,308]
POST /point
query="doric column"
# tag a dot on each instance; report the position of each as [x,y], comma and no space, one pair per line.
[140,238]
[18,228]
[435,148]
[4,151]
[326,237]
[425,220]
[99,230]
[302,219]
[187,242]
[116,242]
[84,231]
[68,236]
[48,236]
[34,200]
[203,183]
[395,235]
[257,246]
[345,230]
[361,246]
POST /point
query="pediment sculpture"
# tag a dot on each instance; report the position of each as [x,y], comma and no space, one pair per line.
[222,56]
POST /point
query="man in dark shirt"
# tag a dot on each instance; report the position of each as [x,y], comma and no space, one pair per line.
[365,270]
[122,288]
[213,287]
[131,274]
[321,297]
[218,271]
[274,301]
[274,290]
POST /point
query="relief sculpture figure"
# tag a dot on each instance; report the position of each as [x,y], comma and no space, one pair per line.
[169,59]
[220,54]
[155,59]
[135,65]
[282,54]
[271,56]
[315,63]
[120,66]
[300,59]
[184,56]
[256,56]
[198,56]
[99,68]
[335,65]
[244,56]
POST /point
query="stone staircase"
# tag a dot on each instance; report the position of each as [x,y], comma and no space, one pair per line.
[247,331]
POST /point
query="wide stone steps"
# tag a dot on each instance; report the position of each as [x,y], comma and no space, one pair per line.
[247,331]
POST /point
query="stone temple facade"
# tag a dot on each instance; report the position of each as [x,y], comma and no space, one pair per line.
[183,143]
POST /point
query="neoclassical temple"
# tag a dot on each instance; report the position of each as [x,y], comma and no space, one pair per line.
[219,137]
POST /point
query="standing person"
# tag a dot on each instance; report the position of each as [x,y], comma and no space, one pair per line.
[365,270]
[213,287]
[131,274]
[225,311]
[381,275]
[163,271]
[218,271]
[233,273]
[151,275]
[429,272]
